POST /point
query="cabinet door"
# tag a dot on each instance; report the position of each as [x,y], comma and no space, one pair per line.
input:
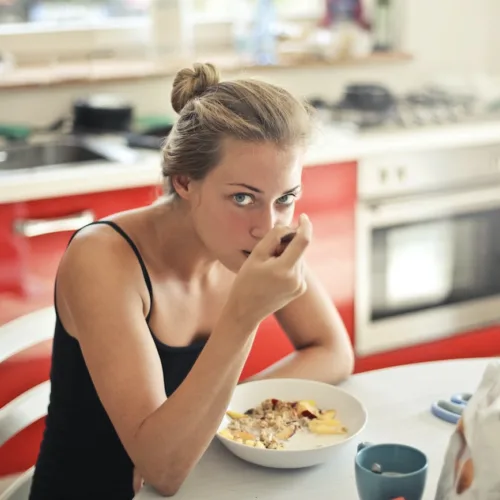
[329,196]
[34,235]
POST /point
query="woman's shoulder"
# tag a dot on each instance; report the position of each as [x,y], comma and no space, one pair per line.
[101,249]
[99,265]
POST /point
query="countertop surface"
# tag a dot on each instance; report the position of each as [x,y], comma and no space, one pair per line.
[330,145]
[397,401]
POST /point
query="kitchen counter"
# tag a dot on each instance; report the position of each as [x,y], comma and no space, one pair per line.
[330,145]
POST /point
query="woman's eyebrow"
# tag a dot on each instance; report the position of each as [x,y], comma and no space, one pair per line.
[257,190]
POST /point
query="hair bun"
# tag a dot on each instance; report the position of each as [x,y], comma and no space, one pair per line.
[190,83]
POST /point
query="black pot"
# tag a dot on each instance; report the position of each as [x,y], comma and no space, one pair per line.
[367,97]
[102,114]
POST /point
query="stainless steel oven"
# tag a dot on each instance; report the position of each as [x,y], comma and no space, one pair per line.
[428,246]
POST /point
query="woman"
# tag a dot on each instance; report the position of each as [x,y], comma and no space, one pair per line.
[157,307]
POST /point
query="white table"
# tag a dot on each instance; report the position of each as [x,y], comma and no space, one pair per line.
[397,400]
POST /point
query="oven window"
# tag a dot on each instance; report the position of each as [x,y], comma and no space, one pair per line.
[434,263]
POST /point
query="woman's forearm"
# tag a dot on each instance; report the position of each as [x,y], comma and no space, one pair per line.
[315,363]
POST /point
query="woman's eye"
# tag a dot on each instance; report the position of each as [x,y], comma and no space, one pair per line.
[242,199]
[286,199]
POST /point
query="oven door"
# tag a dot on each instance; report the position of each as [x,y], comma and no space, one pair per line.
[427,268]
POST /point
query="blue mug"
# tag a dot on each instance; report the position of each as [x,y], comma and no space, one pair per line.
[387,471]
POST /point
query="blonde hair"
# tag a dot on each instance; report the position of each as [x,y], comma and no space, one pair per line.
[210,111]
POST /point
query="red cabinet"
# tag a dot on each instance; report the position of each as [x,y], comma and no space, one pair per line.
[33,237]
[329,197]
[28,266]
[480,343]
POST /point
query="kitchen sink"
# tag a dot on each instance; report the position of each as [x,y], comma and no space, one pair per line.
[41,155]
[60,152]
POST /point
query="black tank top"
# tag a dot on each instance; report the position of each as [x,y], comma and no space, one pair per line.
[81,456]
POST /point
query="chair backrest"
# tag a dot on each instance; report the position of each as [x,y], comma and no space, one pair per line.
[20,488]
[17,336]
[26,331]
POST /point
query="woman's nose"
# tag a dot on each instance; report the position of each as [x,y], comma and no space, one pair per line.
[262,223]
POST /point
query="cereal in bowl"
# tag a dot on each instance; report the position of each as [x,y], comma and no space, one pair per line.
[270,424]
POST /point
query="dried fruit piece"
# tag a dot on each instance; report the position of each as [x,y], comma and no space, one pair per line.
[235,415]
[306,409]
[286,433]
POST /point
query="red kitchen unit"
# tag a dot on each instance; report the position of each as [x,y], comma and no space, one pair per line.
[480,343]
[28,264]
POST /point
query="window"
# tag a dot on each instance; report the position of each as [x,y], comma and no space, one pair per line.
[92,12]
[74,12]
[284,8]
[40,30]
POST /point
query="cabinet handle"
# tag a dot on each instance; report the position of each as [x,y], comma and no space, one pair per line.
[37,227]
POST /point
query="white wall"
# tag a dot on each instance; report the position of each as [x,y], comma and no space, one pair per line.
[446,37]
[493,36]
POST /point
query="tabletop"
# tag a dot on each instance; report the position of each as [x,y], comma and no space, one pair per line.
[398,403]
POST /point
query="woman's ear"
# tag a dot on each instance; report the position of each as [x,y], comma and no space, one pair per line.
[181,184]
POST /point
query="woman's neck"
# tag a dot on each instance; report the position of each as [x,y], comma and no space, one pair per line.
[177,247]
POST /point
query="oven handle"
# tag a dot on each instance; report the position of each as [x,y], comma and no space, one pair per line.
[388,213]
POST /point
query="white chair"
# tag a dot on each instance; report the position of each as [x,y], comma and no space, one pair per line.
[16,336]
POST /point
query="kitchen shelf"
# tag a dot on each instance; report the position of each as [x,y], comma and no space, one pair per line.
[115,70]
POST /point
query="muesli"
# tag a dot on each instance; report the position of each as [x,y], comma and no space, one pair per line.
[273,422]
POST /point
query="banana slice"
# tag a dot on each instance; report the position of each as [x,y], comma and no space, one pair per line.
[235,415]
[246,436]
[326,427]
[327,414]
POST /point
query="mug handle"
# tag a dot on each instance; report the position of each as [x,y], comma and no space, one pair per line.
[363,445]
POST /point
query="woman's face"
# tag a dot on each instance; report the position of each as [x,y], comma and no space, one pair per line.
[254,186]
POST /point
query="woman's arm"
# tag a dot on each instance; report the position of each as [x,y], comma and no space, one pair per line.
[164,437]
[323,349]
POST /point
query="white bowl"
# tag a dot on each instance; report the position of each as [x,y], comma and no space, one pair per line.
[304,449]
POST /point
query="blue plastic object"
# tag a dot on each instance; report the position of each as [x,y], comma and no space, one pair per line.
[451,411]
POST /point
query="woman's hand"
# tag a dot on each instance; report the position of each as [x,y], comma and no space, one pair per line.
[272,276]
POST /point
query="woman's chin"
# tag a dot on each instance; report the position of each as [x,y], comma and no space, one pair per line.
[234,263]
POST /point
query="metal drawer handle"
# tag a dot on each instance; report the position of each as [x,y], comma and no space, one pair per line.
[36,227]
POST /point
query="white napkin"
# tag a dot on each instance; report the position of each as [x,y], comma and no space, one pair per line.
[471,469]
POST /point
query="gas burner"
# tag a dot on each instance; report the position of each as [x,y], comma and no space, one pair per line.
[372,106]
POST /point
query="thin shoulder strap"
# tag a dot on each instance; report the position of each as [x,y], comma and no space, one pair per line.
[127,238]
